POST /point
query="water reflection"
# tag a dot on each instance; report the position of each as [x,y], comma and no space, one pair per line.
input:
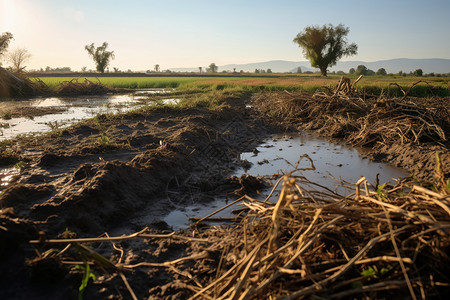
[71,110]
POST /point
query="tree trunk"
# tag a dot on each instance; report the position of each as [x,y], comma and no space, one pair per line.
[323,71]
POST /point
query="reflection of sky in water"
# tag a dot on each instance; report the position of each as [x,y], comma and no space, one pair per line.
[330,159]
[6,175]
[76,109]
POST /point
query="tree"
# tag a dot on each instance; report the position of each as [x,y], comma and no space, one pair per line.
[299,70]
[361,70]
[100,55]
[351,71]
[200,69]
[213,68]
[269,71]
[18,57]
[5,38]
[381,71]
[325,45]
[418,72]
[156,68]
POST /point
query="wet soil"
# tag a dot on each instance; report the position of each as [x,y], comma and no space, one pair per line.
[101,174]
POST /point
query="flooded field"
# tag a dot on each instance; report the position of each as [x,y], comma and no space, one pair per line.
[56,113]
[147,174]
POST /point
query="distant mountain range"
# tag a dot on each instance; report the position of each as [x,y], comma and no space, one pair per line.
[428,65]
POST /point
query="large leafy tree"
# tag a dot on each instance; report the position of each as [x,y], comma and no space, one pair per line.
[324,46]
[100,55]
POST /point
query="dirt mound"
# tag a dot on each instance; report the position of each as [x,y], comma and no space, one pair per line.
[19,85]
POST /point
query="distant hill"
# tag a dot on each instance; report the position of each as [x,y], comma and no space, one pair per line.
[429,65]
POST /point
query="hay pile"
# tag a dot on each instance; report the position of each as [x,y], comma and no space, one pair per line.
[19,85]
[87,87]
[378,242]
[362,120]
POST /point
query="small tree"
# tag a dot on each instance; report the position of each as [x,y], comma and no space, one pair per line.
[381,71]
[325,45]
[200,69]
[213,68]
[18,57]
[299,70]
[418,72]
[351,71]
[269,71]
[157,68]
[100,55]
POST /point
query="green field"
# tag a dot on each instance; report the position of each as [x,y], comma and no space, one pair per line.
[372,84]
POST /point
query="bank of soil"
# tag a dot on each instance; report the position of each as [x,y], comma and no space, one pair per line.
[95,176]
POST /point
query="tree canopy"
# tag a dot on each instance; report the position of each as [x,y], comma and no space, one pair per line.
[381,71]
[100,55]
[325,45]
[213,68]
[5,38]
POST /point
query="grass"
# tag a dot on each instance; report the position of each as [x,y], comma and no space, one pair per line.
[439,86]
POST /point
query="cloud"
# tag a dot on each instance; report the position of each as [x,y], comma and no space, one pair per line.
[73,14]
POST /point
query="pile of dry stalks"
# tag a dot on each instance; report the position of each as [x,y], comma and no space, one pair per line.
[361,120]
[87,87]
[379,242]
[19,85]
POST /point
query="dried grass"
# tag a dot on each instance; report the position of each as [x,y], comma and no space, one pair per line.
[19,85]
[87,87]
[378,242]
[363,120]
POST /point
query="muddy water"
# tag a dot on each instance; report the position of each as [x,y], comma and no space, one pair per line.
[72,110]
[279,155]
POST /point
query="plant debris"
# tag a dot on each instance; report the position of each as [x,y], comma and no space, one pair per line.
[379,242]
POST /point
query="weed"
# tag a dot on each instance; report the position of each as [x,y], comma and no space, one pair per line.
[7,115]
[20,165]
[85,280]
[104,140]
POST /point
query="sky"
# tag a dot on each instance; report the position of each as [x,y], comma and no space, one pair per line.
[194,33]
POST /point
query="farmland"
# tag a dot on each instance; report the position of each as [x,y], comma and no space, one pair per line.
[373,84]
[80,188]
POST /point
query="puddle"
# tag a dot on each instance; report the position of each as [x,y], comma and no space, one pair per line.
[7,175]
[171,101]
[72,110]
[179,219]
[333,162]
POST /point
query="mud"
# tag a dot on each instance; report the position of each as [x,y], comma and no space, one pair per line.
[104,174]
